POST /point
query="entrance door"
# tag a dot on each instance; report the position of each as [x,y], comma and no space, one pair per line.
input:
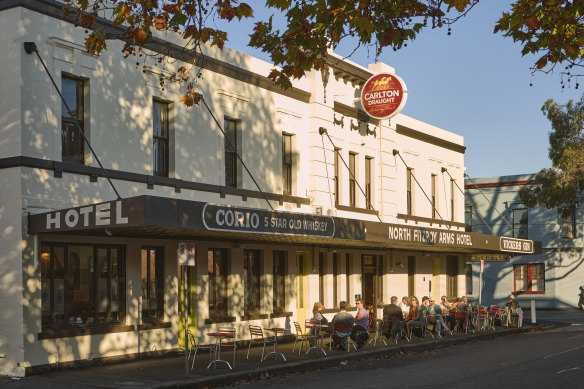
[301,272]
[371,276]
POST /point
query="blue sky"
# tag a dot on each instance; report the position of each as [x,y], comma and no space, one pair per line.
[473,83]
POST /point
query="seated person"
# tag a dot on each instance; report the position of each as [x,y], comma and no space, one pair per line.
[359,333]
[340,338]
[444,303]
[393,313]
[317,316]
[434,316]
[417,317]
[463,306]
[405,305]
[512,308]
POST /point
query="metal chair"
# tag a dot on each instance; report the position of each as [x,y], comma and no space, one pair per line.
[192,345]
[373,329]
[229,343]
[315,334]
[300,336]
[344,328]
[256,334]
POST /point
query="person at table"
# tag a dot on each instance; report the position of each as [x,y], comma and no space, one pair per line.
[416,316]
[359,333]
[464,306]
[340,338]
[393,313]
[318,316]
[405,305]
[434,314]
[444,304]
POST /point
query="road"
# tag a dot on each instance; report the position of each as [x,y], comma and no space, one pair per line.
[538,359]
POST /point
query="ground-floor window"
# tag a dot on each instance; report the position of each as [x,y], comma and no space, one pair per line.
[279,280]
[452,276]
[217,260]
[82,285]
[251,281]
[152,275]
[529,278]
[468,277]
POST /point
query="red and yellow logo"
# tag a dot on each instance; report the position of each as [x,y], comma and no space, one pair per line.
[383,95]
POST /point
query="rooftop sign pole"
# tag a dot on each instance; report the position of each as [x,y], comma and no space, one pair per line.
[383,95]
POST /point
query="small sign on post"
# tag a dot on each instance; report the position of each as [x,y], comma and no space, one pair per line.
[186,254]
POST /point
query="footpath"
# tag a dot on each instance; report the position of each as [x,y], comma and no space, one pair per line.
[169,371]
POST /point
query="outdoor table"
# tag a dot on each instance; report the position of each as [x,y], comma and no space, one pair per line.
[377,338]
[319,339]
[275,330]
[219,337]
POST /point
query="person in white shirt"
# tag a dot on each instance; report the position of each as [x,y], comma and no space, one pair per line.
[405,305]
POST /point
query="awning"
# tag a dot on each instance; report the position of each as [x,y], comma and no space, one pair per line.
[160,217]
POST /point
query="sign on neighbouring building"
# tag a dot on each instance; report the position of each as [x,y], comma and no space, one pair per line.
[383,95]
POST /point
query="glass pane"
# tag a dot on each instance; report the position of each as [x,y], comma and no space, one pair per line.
[144,279]
[115,285]
[80,285]
[102,284]
[69,92]
[45,285]
[152,295]
[252,278]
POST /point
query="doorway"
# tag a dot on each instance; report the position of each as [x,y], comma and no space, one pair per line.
[372,282]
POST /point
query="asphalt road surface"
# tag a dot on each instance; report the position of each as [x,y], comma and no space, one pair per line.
[538,359]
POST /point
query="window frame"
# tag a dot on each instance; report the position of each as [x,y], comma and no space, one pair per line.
[468,274]
[287,162]
[352,179]
[337,172]
[321,275]
[468,216]
[568,225]
[368,182]
[160,137]
[251,294]
[49,294]
[452,199]
[73,150]
[409,191]
[213,289]
[518,231]
[279,272]
[434,194]
[529,273]
[146,314]
[231,127]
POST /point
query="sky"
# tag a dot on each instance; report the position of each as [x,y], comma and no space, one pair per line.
[473,83]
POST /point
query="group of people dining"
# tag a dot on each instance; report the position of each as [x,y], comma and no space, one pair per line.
[399,318]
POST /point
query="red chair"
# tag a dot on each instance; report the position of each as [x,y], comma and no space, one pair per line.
[344,328]
[230,342]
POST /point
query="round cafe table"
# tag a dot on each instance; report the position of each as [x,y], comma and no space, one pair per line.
[319,339]
[275,353]
[219,336]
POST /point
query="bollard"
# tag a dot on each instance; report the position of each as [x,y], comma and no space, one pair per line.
[533,321]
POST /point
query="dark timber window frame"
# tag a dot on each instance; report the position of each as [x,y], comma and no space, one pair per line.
[287,164]
[152,277]
[231,149]
[520,223]
[218,272]
[352,179]
[368,181]
[72,143]
[280,267]
[160,137]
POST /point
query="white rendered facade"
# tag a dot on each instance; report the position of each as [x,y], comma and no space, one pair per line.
[118,119]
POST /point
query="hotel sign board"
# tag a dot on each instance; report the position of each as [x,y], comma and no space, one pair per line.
[383,95]
[239,219]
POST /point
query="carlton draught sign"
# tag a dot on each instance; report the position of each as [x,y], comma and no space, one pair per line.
[383,95]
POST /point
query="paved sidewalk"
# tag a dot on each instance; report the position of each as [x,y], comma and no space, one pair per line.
[169,371]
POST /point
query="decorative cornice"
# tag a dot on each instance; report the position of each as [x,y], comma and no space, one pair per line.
[411,133]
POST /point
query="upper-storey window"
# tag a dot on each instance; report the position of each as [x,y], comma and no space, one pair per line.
[160,138]
[72,144]
[287,163]
[434,190]
[468,218]
[520,223]
[352,180]
[410,191]
[337,176]
[368,181]
[452,199]
[569,225]
[231,161]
